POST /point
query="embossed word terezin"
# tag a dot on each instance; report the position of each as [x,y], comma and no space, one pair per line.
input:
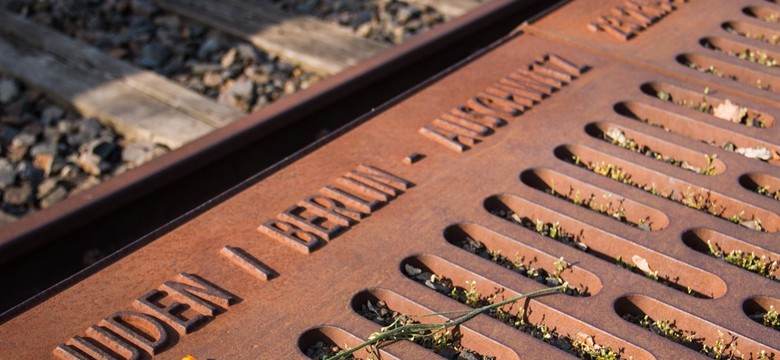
[461,127]
[181,306]
[336,208]
[624,22]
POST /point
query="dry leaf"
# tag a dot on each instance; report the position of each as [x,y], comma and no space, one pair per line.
[641,263]
[755,153]
[730,111]
[616,135]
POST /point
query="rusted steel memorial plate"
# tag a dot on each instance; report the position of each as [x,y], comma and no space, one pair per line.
[565,153]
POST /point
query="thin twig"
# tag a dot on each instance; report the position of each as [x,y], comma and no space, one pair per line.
[418,329]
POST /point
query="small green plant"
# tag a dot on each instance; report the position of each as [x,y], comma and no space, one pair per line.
[639,265]
[556,232]
[611,171]
[584,344]
[505,312]
[445,341]
[710,169]
[760,153]
[766,191]
[551,230]
[748,54]
[699,199]
[771,318]
[624,265]
[406,327]
[756,56]
[712,69]
[523,266]
[721,349]
[726,110]
[604,206]
[322,350]
[618,137]
[761,265]
[773,39]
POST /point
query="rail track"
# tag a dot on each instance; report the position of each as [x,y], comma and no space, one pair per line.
[45,247]
[583,154]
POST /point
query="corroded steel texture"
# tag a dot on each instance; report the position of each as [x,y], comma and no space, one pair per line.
[285,259]
[81,209]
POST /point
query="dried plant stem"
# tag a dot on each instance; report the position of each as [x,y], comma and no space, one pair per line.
[419,330]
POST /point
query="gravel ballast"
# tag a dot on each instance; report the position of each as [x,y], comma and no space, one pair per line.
[388,21]
[48,152]
[207,61]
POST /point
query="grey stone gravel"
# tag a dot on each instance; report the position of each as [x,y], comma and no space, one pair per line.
[389,21]
[9,91]
[54,153]
[18,195]
[199,58]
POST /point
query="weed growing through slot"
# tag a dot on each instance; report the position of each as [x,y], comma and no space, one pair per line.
[727,110]
[722,349]
[770,318]
[321,350]
[524,267]
[618,137]
[764,190]
[711,69]
[445,343]
[551,230]
[774,39]
[401,330]
[748,54]
[699,199]
[760,265]
[556,232]
[756,56]
[640,266]
[581,345]
[604,206]
[760,153]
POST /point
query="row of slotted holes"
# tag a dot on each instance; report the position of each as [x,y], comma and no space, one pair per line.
[679,289]
[758,12]
[774,181]
[766,33]
[547,267]
[360,299]
[751,182]
[700,294]
[775,302]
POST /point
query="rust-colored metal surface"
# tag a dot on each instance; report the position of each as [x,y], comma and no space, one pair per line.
[40,250]
[504,151]
[43,226]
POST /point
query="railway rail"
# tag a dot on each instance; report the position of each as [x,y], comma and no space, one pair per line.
[46,247]
[583,149]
